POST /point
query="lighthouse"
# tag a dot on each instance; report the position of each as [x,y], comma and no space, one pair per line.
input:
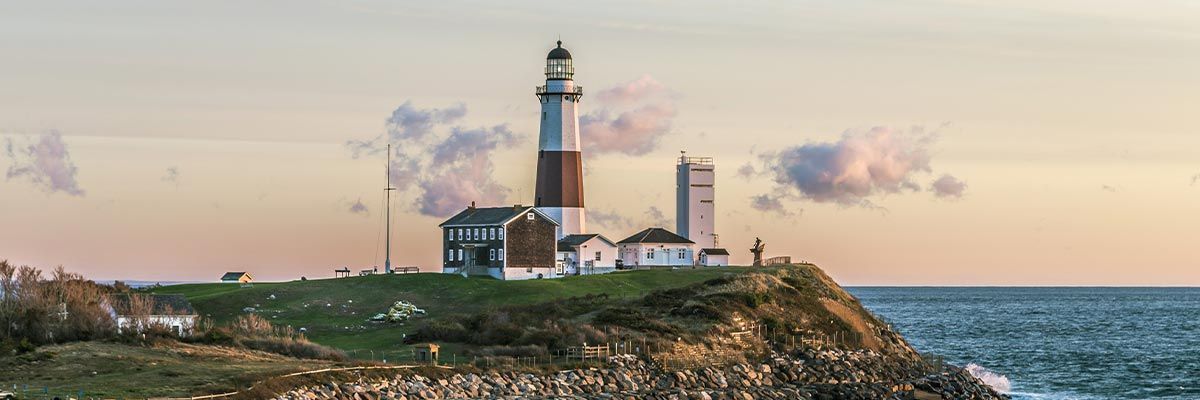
[559,185]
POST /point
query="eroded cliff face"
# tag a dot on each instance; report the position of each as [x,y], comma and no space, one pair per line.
[777,309]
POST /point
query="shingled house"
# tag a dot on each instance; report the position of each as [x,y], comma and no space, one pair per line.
[516,242]
[656,247]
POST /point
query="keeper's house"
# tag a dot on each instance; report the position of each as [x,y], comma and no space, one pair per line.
[656,247]
[516,242]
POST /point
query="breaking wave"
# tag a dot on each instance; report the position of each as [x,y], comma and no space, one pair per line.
[995,380]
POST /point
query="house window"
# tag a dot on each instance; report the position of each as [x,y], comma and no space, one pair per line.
[529,216]
[501,233]
[500,254]
[597,256]
[450,234]
[460,257]
[450,255]
[650,254]
[492,233]
[681,254]
[492,254]
[475,233]
[459,233]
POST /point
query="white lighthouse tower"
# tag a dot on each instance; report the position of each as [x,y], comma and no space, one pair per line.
[695,213]
[559,186]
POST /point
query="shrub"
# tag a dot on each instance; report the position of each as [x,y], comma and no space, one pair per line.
[450,331]
[65,307]
[256,333]
[633,319]
[511,351]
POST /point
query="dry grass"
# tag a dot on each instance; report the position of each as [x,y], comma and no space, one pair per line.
[855,320]
[115,370]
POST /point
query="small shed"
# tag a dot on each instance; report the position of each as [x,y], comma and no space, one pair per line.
[427,352]
[237,277]
[715,257]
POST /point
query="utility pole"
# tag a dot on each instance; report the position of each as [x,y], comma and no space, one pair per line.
[387,261]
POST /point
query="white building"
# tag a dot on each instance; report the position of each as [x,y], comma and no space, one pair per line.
[167,311]
[695,211]
[586,254]
[714,257]
[656,247]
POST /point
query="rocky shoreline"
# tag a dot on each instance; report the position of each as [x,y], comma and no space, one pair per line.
[808,374]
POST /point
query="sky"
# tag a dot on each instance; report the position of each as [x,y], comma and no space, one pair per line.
[952,142]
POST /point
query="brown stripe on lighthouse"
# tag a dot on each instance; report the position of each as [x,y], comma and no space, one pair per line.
[559,179]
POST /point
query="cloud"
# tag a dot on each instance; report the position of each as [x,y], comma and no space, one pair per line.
[769,204]
[1107,188]
[445,167]
[172,175]
[949,186]
[859,165]
[408,122]
[632,91]
[46,163]
[1195,178]
[631,119]
[746,171]
[359,208]
[651,217]
[608,219]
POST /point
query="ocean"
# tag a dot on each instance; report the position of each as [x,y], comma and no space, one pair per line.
[1056,343]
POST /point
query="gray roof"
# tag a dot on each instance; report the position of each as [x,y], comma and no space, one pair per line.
[655,235]
[232,276]
[559,53]
[715,252]
[580,238]
[164,304]
[474,216]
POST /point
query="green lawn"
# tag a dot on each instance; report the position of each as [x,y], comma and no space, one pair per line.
[335,311]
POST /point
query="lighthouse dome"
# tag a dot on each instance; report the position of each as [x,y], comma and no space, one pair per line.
[559,53]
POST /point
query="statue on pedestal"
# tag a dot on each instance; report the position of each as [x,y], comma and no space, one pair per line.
[757,250]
